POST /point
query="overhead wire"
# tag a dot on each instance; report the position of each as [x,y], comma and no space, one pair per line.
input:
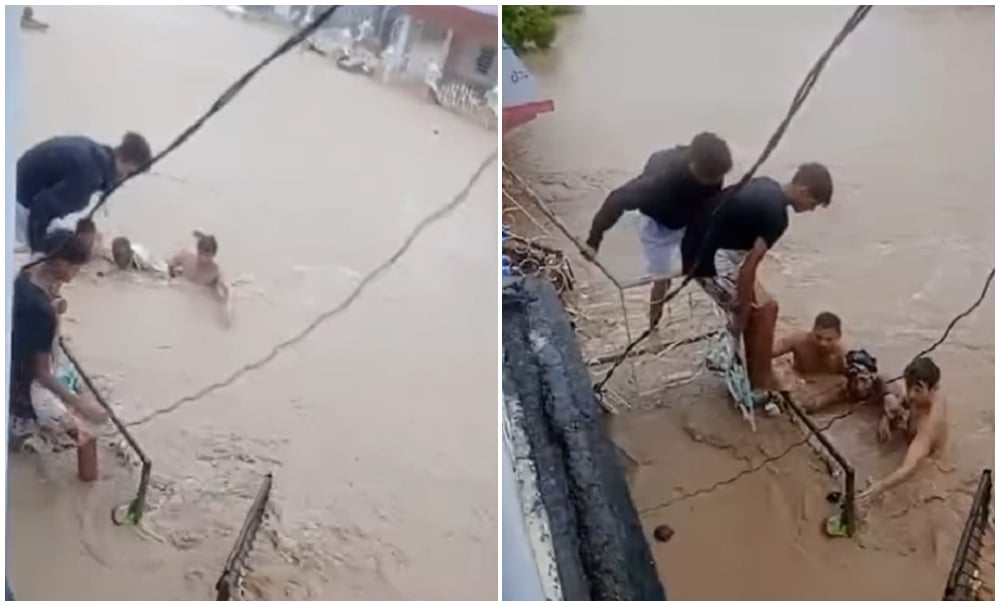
[220,102]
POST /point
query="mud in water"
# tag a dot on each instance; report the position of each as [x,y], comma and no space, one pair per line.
[380,428]
[903,116]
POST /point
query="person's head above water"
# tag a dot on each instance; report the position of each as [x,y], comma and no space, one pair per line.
[131,154]
[922,377]
[811,187]
[65,254]
[710,159]
[207,246]
[86,231]
[826,330]
[121,252]
[861,369]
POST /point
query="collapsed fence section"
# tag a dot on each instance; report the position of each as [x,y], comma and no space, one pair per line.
[228,586]
[974,555]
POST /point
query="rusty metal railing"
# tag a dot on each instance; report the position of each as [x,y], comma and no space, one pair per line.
[227,587]
[964,580]
[132,511]
[848,517]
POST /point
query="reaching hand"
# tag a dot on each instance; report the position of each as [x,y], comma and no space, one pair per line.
[589,252]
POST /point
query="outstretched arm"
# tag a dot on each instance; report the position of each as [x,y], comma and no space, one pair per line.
[627,197]
[784,346]
[920,449]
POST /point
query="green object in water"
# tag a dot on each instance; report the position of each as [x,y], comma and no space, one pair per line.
[835,526]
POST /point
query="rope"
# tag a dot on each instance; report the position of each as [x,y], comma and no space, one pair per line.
[836,419]
[800,97]
[222,101]
[370,277]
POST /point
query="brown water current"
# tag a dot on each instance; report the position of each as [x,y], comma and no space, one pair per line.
[380,427]
[903,116]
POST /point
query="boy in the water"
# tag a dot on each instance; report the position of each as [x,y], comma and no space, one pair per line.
[926,423]
[201,268]
[127,255]
[818,351]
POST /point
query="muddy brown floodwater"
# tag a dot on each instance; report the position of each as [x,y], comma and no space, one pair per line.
[903,116]
[380,428]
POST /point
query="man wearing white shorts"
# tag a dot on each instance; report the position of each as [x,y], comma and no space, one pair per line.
[723,248]
[673,186]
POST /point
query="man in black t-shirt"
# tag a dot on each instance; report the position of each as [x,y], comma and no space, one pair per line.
[723,252]
[33,333]
[673,186]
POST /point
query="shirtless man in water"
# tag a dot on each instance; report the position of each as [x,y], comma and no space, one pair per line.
[201,268]
[926,427]
[818,351]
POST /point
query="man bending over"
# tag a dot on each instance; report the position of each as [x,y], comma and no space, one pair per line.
[723,248]
[672,188]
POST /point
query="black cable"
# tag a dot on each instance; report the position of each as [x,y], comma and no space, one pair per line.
[797,101]
[223,100]
[744,472]
[954,321]
[435,216]
[771,459]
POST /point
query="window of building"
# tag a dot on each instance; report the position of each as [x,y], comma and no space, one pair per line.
[484,62]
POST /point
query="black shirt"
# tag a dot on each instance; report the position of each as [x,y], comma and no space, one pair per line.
[759,210]
[34,329]
[57,177]
[666,192]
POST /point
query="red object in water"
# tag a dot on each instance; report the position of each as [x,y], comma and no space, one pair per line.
[86,460]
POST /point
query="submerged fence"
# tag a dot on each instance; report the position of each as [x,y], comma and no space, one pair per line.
[132,511]
[228,585]
[965,581]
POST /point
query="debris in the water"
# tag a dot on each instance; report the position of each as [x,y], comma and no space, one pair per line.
[663,533]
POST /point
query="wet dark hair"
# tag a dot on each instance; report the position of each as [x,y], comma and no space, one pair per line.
[86,226]
[923,371]
[817,180]
[711,155]
[828,320]
[134,149]
[64,245]
[121,252]
[207,244]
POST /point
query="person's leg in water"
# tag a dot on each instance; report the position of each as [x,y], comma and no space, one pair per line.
[758,341]
[656,302]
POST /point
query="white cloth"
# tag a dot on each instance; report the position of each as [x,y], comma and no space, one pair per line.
[722,287]
[661,247]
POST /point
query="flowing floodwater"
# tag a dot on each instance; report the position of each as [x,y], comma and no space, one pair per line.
[380,427]
[903,116]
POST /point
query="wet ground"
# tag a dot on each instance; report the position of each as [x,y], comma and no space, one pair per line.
[378,428]
[903,116]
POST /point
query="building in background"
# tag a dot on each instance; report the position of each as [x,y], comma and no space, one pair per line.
[449,50]
[521,100]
